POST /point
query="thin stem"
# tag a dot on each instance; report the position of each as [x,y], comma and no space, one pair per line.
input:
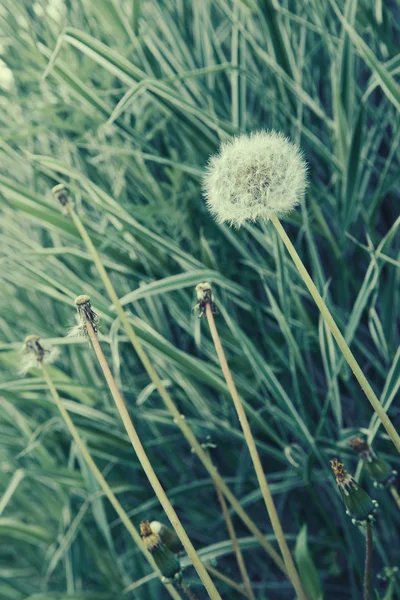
[148,469]
[101,480]
[368,563]
[255,457]
[348,355]
[165,396]
[191,595]
[395,495]
[235,545]
[226,579]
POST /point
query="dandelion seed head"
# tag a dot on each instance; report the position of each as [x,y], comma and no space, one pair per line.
[254,177]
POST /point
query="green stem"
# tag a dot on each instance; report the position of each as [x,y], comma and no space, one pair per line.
[165,396]
[348,355]
[235,545]
[255,457]
[148,469]
[102,481]
[368,563]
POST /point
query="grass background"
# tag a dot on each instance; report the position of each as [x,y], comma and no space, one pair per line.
[124,101]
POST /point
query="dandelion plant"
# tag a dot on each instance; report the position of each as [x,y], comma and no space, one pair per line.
[206,306]
[62,196]
[36,355]
[262,176]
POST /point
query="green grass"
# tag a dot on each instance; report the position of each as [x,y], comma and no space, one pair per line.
[124,102]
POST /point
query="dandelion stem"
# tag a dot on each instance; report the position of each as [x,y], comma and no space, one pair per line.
[235,545]
[191,595]
[148,469]
[348,355]
[368,563]
[101,480]
[264,487]
[227,580]
[165,396]
[395,495]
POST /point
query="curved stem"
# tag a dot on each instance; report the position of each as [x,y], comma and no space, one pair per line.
[255,457]
[148,469]
[348,355]
[368,563]
[166,397]
[101,480]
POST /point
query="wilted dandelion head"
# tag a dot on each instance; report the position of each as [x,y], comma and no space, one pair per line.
[254,177]
[85,315]
[34,354]
[61,194]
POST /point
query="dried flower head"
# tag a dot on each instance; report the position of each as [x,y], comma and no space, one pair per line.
[358,504]
[254,177]
[167,536]
[165,560]
[61,194]
[205,296]
[85,315]
[35,354]
[379,469]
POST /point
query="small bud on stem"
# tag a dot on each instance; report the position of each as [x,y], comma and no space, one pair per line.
[358,504]
[379,469]
[165,560]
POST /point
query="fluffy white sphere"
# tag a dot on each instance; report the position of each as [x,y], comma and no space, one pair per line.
[253,177]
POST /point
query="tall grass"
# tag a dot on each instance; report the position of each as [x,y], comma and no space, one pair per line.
[124,102]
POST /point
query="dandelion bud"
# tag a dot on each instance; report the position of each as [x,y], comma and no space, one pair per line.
[167,536]
[378,469]
[34,354]
[61,194]
[85,315]
[165,560]
[254,177]
[358,504]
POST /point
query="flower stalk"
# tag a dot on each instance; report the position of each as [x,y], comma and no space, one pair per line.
[368,563]
[341,342]
[232,534]
[164,394]
[86,315]
[263,176]
[206,299]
